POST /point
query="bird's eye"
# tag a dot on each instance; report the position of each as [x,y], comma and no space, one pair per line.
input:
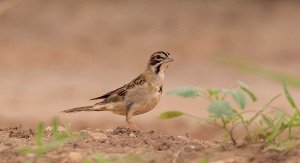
[158,57]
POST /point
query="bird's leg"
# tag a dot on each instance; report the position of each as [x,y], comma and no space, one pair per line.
[129,121]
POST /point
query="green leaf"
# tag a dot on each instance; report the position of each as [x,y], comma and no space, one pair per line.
[288,96]
[170,114]
[247,90]
[278,128]
[267,121]
[186,92]
[220,109]
[239,98]
[39,134]
[277,124]
[214,91]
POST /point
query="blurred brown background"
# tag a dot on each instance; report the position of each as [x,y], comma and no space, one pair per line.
[57,54]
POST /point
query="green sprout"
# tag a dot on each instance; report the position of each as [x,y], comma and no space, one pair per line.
[57,138]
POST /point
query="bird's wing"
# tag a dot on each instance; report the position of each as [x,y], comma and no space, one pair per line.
[109,93]
[140,80]
[119,94]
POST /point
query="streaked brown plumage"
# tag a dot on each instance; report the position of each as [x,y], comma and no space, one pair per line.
[140,95]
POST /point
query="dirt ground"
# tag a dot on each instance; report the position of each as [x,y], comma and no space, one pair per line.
[56,55]
[125,145]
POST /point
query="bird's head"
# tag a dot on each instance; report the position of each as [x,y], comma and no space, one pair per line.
[159,61]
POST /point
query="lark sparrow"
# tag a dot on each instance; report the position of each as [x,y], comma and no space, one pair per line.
[139,96]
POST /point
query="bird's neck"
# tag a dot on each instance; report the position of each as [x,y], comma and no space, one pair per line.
[157,71]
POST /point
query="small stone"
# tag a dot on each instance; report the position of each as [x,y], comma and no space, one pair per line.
[99,130]
[193,147]
[132,135]
[182,137]
[75,157]
[110,130]
[84,132]
[97,135]
[59,128]
[94,135]
[49,129]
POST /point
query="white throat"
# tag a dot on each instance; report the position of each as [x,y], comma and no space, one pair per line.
[163,68]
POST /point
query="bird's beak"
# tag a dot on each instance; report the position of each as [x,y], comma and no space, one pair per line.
[169,59]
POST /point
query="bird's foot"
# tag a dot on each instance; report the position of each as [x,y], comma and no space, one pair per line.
[133,126]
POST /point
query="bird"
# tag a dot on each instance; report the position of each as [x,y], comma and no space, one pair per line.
[139,96]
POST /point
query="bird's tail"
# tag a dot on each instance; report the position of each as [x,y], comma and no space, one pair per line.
[84,108]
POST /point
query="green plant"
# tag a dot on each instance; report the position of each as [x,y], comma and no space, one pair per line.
[57,138]
[221,112]
[275,126]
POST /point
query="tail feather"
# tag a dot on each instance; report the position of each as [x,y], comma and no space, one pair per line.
[84,108]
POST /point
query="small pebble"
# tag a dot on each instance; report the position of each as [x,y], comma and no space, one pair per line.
[94,135]
[97,135]
[99,130]
[84,132]
[109,130]
[132,135]
[60,128]
[182,137]
[49,129]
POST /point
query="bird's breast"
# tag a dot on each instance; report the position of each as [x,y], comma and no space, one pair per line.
[143,107]
[144,92]
[144,98]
